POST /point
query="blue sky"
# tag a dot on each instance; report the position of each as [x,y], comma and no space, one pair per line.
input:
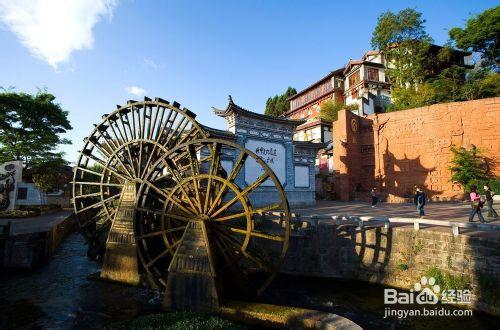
[195,52]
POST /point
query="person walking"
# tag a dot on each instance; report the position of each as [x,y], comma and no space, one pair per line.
[420,202]
[476,205]
[489,201]
[415,195]
[374,196]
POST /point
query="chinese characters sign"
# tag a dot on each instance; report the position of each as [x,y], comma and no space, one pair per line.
[274,154]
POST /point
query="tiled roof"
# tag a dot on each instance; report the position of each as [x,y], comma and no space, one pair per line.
[337,72]
[233,108]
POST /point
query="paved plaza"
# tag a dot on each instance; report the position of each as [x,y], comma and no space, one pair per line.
[435,211]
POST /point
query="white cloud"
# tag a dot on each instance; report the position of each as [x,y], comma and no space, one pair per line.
[150,63]
[51,30]
[137,91]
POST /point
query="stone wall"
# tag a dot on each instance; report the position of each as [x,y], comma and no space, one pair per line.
[399,257]
[33,249]
[393,151]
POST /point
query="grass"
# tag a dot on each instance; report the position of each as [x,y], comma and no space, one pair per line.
[448,281]
[402,266]
[418,247]
[177,320]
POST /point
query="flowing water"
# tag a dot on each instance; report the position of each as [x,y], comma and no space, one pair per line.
[61,294]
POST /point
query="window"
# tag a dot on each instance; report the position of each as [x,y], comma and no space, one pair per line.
[372,74]
[353,79]
[22,193]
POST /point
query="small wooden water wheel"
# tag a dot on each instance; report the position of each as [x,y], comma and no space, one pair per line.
[199,225]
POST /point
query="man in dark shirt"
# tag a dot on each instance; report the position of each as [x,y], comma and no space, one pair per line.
[420,202]
[415,194]
[489,200]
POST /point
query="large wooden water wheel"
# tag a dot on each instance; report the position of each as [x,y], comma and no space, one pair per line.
[197,227]
[120,151]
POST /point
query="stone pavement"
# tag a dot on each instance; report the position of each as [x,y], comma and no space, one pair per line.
[38,224]
[435,211]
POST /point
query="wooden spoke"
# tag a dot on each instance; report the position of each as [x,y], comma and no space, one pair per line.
[178,217]
[117,146]
[99,203]
[83,169]
[98,183]
[127,145]
[250,255]
[178,203]
[234,172]
[161,232]
[96,218]
[247,190]
[171,198]
[88,195]
[214,168]
[165,214]
[161,126]
[181,130]
[244,214]
[161,255]
[179,179]
[259,234]
[170,131]
[195,170]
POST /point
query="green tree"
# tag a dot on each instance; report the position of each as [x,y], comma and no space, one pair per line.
[481,34]
[411,97]
[329,110]
[49,174]
[448,85]
[279,104]
[468,167]
[490,85]
[31,128]
[405,43]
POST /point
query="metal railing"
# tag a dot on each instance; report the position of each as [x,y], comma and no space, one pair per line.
[299,221]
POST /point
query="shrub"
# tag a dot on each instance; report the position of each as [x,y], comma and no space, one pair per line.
[329,110]
[447,281]
[494,185]
[17,214]
[412,97]
[468,167]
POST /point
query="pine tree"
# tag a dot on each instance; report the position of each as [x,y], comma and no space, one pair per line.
[279,104]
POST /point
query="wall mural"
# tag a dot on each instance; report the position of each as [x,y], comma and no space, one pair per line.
[10,175]
[6,187]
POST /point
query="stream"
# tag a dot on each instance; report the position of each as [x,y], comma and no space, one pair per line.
[62,294]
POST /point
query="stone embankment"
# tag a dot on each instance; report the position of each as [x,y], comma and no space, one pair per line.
[399,254]
[27,243]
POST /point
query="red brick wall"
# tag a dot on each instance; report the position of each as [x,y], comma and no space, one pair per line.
[394,151]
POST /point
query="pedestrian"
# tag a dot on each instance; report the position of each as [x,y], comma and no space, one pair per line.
[420,202]
[374,195]
[489,200]
[415,195]
[476,205]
